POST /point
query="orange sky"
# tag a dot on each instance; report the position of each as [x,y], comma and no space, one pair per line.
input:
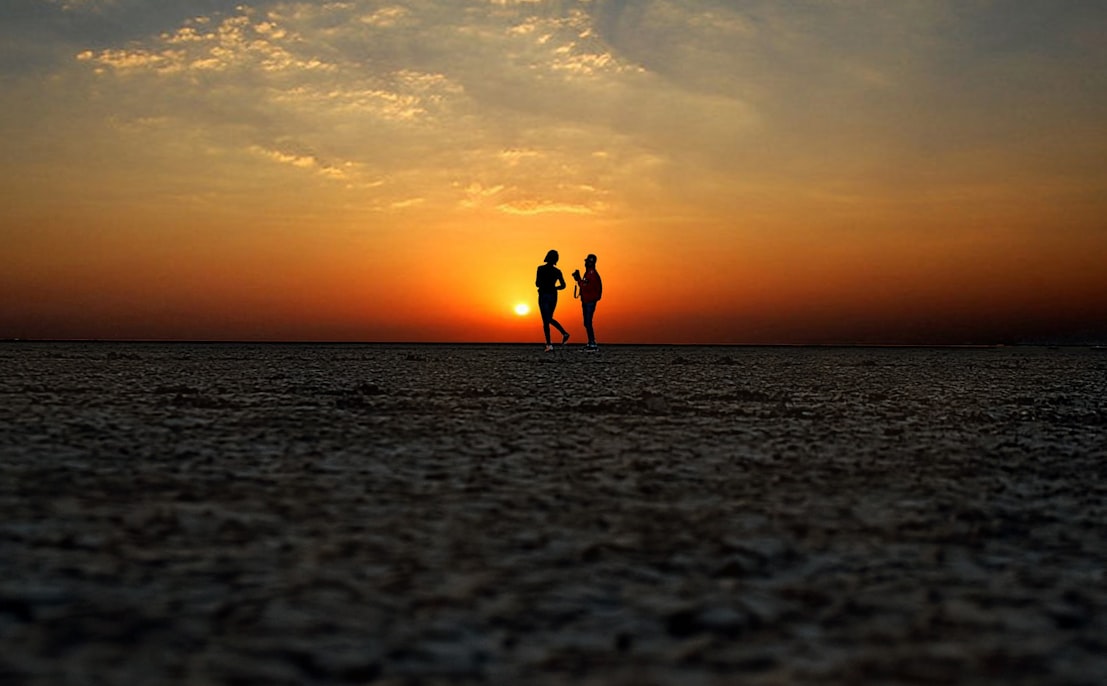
[376,171]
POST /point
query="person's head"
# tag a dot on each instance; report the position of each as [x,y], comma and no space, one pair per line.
[551,257]
[590,261]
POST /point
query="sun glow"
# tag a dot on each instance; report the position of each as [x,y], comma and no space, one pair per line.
[522,309]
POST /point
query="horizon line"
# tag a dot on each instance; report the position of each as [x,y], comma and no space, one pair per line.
[222,341]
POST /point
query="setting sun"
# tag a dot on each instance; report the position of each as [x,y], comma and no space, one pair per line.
[521,309]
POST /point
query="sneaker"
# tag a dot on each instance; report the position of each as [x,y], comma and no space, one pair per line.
[564,337]
[591,348]
[549,348]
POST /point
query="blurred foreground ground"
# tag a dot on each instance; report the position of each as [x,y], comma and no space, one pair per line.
[198,514]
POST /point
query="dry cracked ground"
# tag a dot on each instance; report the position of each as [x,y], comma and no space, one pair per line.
[334,514]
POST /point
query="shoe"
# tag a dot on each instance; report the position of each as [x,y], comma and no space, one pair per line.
[549,348]
[591,348]
[564,337]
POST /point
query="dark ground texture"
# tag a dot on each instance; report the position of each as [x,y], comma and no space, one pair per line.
[197,514]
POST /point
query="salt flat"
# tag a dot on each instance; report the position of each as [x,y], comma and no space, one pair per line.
[234,513]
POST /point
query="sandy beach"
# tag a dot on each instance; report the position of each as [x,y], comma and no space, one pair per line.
[426,514]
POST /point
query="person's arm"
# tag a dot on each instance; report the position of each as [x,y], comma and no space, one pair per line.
[560,281]
[599,285]
[538,278]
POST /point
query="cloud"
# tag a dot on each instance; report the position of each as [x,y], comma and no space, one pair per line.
[337,171]
[236,43]
[425,98]
[84,5]
[533,208]
[384,17]
[386,91]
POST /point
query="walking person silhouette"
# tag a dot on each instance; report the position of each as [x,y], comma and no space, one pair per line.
[591,290]
[549,281]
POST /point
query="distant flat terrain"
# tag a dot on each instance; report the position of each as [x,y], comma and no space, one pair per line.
[241,513]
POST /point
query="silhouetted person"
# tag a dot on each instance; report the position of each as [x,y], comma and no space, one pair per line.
[591,290]
[549,281]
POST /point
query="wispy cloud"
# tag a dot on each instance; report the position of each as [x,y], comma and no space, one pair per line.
[533,208]
[394,88]
[543,98]
[84,5]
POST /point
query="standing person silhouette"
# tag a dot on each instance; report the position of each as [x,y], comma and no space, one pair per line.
[591,290]
[549,281]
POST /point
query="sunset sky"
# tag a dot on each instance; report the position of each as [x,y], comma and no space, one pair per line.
[835,171]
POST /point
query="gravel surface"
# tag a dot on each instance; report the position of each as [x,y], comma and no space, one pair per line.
[388,514]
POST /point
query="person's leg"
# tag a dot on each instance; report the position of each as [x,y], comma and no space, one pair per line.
[546,310]
[589,311]
[564,333]
[557,324]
